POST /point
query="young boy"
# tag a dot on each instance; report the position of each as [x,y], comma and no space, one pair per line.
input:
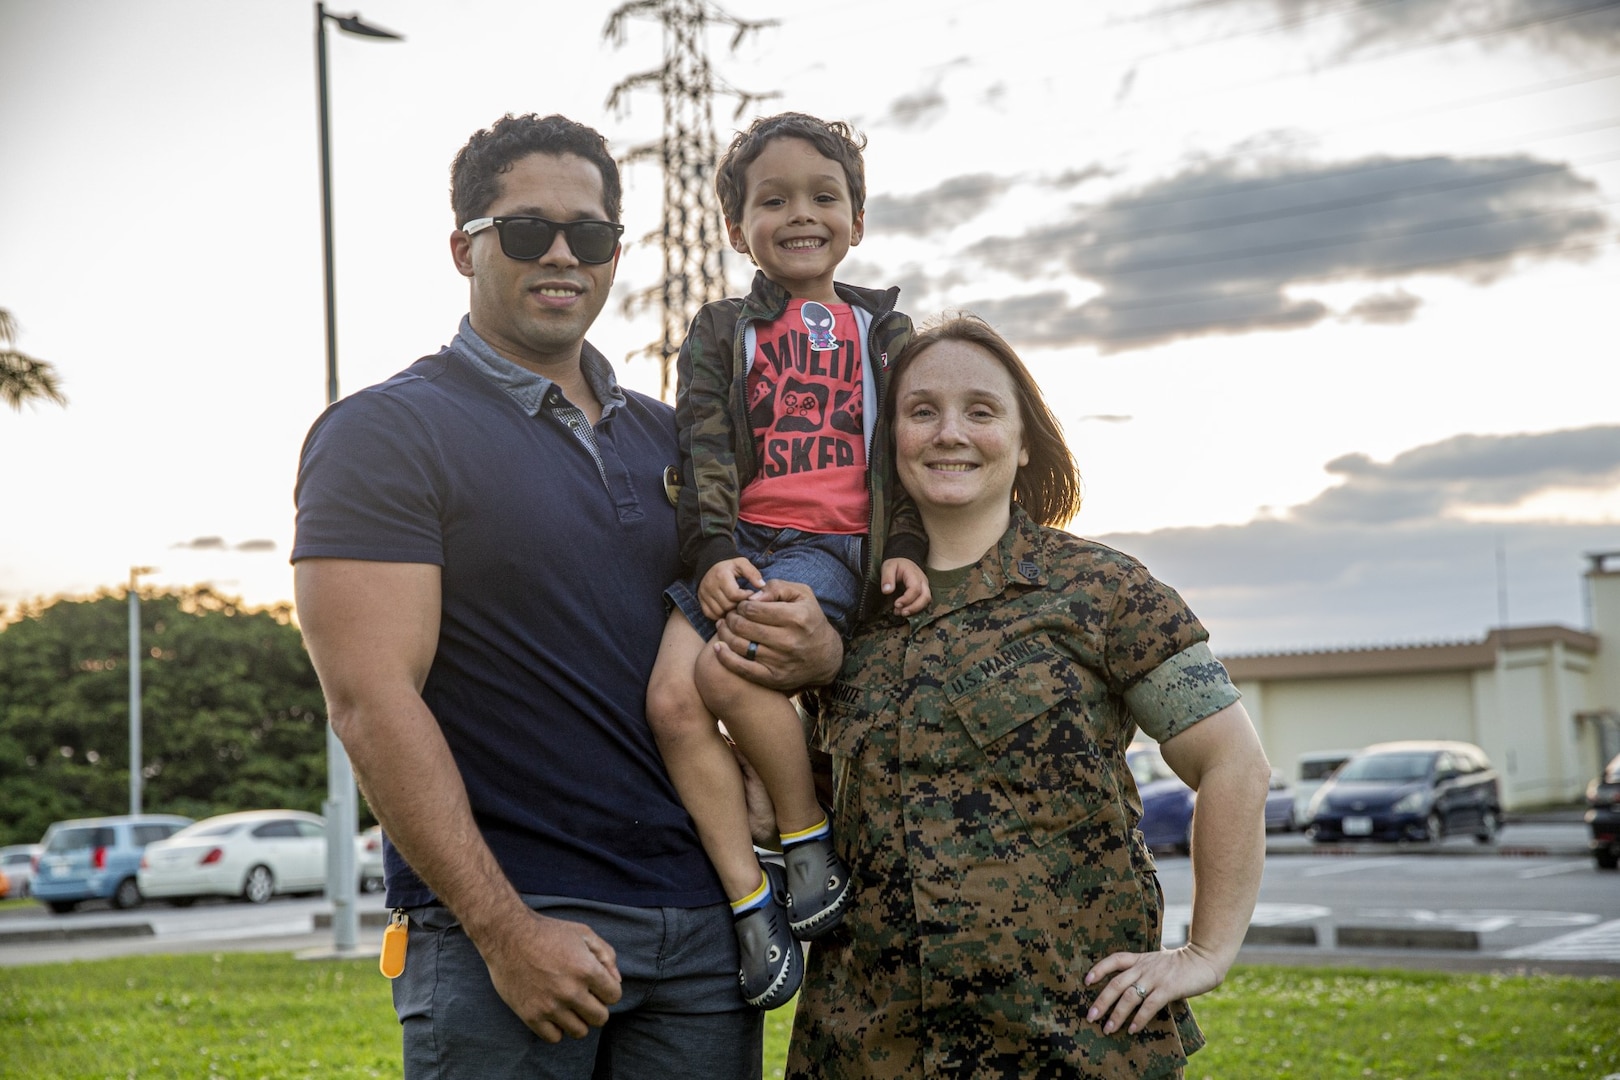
[787,474]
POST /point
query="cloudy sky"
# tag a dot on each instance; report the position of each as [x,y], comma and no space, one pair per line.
[1324,291]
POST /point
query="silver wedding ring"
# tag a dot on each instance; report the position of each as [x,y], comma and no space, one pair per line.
[1139,991]
[753,650]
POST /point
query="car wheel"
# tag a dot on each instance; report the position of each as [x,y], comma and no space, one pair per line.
[62,907]
[127,895]
[1606,860]
[260,885]
[1434,826]
[371,884]
[1489,826]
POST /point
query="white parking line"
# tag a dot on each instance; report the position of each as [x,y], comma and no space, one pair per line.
[1347,866]
[1596,943]
[1556,868]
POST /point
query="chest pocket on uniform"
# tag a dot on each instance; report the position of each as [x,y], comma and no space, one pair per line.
[1032,720]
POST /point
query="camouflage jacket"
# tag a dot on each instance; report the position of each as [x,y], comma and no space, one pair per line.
[717,444]
[988,817]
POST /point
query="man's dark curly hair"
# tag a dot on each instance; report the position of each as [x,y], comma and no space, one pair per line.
[832,139]
[475,175]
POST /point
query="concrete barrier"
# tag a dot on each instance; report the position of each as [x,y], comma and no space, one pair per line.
[369,920]
[1406,937]
[75,933]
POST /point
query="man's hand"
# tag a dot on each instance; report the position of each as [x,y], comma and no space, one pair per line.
[796,645]
[761,812]
[912,583]
[558,976]
[719,592]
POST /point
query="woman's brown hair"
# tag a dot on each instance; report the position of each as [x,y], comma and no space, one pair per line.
[1048,488]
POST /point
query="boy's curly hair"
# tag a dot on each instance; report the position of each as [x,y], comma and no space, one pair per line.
[833,139]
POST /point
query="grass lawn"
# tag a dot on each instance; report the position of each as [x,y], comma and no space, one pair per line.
[250,1015]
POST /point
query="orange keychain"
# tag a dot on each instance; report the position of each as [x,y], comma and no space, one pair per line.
[392,961]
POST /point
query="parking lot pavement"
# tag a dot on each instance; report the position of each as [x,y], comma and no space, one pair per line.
[31,934]
[1547,835]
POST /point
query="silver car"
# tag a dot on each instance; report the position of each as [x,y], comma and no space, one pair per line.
[17,864]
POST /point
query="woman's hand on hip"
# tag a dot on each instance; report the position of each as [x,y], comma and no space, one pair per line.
[1132,987]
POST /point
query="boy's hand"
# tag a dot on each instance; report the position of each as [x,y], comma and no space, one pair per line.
[912,583]
[719,592]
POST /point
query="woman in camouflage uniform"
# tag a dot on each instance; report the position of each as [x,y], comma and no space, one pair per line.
[1007,918]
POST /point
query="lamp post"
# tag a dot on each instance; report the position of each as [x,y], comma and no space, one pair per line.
[342,813]
[135,687]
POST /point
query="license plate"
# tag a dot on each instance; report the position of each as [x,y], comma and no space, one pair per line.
[1358,826]
[58,870]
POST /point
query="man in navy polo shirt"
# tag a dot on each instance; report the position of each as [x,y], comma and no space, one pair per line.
[483,541]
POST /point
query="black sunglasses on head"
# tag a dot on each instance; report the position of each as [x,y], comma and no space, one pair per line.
[528,238]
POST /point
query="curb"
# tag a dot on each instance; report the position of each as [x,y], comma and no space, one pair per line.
[75,933]
[1511,851]
[369,920]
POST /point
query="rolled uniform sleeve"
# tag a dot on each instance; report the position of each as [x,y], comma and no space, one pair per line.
[1178,693]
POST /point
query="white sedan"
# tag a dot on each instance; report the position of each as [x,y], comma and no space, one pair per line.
[254,854]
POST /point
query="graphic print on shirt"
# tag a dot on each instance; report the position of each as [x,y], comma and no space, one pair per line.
[804,406]
[818,323]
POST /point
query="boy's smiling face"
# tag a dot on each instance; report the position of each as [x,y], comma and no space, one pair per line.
[798,220]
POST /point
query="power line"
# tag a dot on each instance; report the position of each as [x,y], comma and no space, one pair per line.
[1438,41]
[1267,188]
[1162,329]
[1371,270]
[1342,240]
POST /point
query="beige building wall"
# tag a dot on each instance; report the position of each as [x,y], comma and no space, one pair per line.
[1520,694]
[1335,713]
[1599,718]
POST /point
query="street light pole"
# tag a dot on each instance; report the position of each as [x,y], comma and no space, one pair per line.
[342,811]
[135,778]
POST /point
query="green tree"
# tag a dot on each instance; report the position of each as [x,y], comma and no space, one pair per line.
[23,378]
[232,716]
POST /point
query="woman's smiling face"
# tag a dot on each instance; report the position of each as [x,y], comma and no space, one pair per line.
[959,438]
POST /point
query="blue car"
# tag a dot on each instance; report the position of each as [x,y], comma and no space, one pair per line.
[1167,803]
[96,859]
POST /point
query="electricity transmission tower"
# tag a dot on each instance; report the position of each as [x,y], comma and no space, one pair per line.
[691,234]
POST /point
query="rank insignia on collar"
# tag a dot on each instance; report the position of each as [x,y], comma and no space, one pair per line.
[1028,569]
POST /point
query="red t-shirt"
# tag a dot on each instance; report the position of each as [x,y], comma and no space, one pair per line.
[804,398]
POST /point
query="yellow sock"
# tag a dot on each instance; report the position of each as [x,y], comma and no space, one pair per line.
[755,898]
[814,832]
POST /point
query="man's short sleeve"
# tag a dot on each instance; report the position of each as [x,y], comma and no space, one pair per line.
[370,485]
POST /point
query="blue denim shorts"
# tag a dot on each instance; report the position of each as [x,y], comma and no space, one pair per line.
[830,564]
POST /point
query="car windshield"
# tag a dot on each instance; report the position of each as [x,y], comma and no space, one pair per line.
[1319,770]
[207,828]
[1398,768]
[79,839]
[1148,767]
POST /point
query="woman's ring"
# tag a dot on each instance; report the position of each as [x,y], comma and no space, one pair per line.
[753,650]
[1139,991]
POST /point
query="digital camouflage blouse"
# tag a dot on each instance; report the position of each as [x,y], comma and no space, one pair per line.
[988,819]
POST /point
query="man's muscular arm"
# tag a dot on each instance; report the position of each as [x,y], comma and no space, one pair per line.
[372,629]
